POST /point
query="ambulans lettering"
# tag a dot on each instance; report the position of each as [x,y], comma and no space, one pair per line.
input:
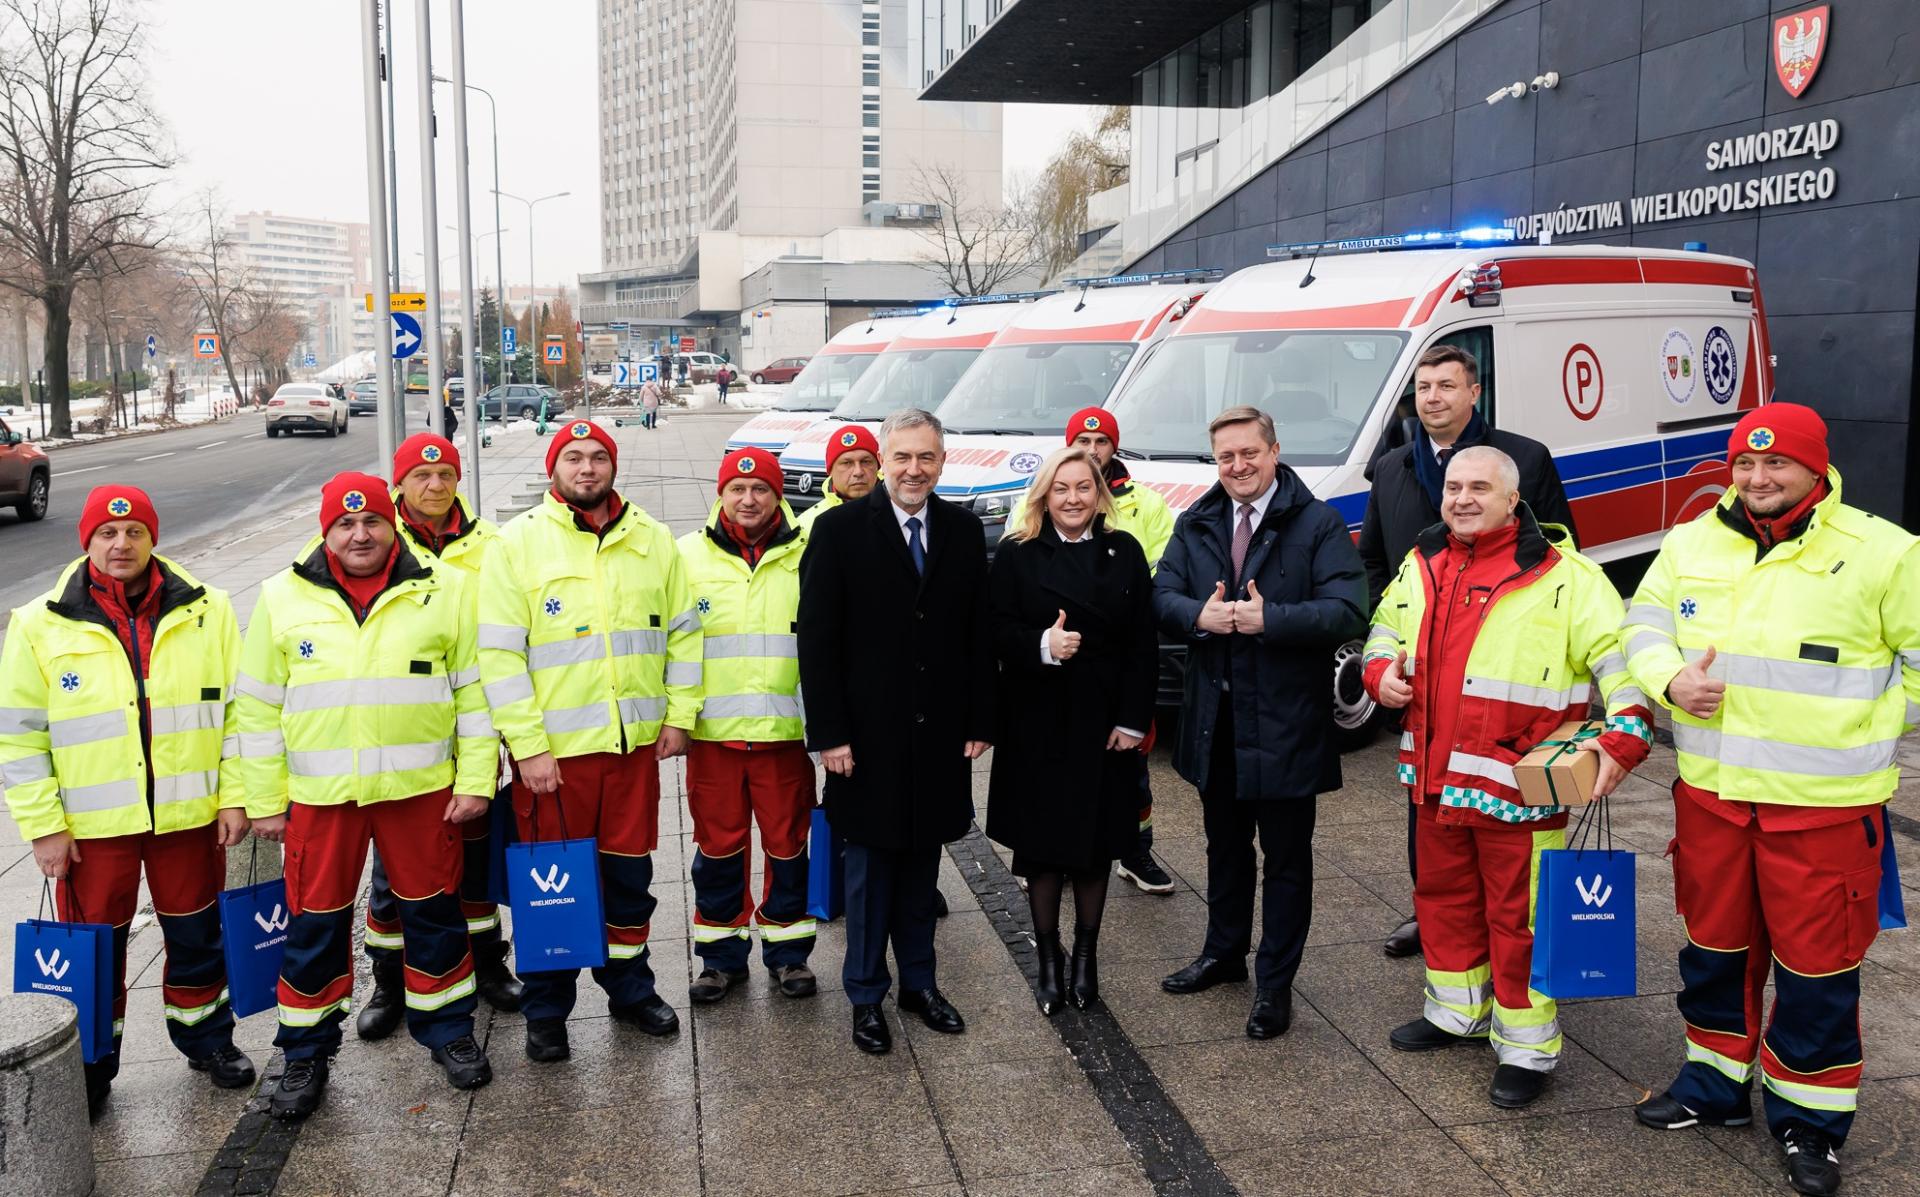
[1768,145]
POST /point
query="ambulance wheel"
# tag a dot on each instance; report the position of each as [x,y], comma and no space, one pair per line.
[1356,717]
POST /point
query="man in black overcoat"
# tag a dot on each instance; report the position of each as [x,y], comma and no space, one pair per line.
[897,678]
[1262,583]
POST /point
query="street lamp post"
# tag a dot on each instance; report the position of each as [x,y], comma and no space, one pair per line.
[499,268]
[533,325]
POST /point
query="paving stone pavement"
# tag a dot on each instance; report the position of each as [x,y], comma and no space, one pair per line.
[1154,1094]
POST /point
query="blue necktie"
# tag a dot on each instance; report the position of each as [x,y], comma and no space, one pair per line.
[914,546]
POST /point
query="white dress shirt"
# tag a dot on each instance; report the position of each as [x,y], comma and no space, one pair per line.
[902,515]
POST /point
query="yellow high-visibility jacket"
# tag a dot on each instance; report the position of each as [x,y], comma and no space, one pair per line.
[587,643]
[71,757]
[806,519]
[1818,643]
[336,710]
[750,681]
[465,553]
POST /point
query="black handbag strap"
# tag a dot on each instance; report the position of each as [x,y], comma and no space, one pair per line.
[1596,823]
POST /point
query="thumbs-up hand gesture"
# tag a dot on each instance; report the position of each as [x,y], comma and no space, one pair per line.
[1395,691]
[1060,642]
[1250,613]
[1216,617]
[1694,692]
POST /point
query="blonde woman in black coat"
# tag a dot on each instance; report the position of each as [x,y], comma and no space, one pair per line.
[1072,622]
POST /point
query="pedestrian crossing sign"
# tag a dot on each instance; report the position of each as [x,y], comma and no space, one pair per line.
[556,351]
[206,345]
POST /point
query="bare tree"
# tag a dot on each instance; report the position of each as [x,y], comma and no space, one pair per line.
[975,247]
[241,313]
[82,152]
[271,329]
[1089,163]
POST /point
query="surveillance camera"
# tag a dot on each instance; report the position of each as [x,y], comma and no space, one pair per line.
[1515,90]
[1546,82]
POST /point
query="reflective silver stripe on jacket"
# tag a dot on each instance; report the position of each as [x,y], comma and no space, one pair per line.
[682,673]
[574,719]
[503,636]
[192,716]
[686,621]
[508,690]
[1745,752]
[752,644]
[18,721]
[1646,638]
[1863,683]
[186,787]
[555,653]
[107,795]
[1648,615]
[256,745]
[1610,664]
[1381,631]
[86,729]
[397,758]
[1482,766]
[1911,659]
[1629,696]
[639,642]
[464,678]
[751,706]
[368,692]
[642,710]
[255,688]
[37,767]
[477,724]
[1495,690]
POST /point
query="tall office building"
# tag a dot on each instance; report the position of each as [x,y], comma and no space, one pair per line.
[323,268]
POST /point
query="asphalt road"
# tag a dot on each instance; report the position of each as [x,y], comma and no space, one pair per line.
[204,479]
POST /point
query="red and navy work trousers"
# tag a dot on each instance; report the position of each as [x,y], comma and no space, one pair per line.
[613,798]
[482,915]
[1803,903]
[326,849]
[185,872]
[729,790]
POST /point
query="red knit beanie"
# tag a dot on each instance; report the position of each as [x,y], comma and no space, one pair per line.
[118,503]
[751,463]
[352,493]
[424,448]
[1094,419]
[580,430]
[858,436]
[1790,429]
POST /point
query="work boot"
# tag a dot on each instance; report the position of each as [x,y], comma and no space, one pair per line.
[301,1087]
[1666,1113]
[1083,987]
[547,1040]
[1144,871]
[1813,1166]
[1514,1086]
[712,985]
[795,980]
[495,980]
[465,1062]
[1049,987]
[226,1066]
[651,1014]
[387,1007]
[1422,1036]
[99,1086]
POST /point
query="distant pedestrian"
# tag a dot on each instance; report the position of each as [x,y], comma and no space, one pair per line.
[1072,625]
[651,393]
[722,378]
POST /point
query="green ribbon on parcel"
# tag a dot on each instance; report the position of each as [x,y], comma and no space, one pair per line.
[1563,747]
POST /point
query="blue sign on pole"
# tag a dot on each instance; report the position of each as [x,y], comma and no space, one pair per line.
[632,374]
[153,345]
[406,334]
[311,362]
[509,341]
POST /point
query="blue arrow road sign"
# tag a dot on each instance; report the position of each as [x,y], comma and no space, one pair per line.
[311,362]
[406,334]
[632,374]
[153,344]
[509,341]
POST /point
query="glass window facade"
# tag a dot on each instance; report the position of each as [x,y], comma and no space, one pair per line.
[1250,55]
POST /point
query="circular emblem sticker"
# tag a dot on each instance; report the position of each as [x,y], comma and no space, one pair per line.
[1677,366]
[1091,423]
[119,506]
[1688,608]
[306,650]
[704,606]
[430,453]
[746,465]
[553,606]
[1761,439]
[1719,365]
[580,431]
[849,439]
[353,500]
[69,682]
[1024,463]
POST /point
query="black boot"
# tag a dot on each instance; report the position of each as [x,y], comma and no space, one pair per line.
[387,1006]
[496,981]
[302,1085]
[99,1077]
[1049,988]
[1084,988]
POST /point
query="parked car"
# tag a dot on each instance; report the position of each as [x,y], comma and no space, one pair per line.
[701,367]
[521,400]
[363,398]
[307,407]
[782,371]
[25,476]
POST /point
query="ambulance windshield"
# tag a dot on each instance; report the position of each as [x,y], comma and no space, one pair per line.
[1317,385]
[825,381]
[1032,389]
[905,378]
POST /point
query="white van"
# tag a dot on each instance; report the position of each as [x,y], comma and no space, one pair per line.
[825,381]
[918,369]
[1630,364]
[1053,358]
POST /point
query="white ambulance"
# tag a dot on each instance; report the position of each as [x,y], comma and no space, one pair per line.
[1056,356]
[1630,364]
[825,381]
[917,369]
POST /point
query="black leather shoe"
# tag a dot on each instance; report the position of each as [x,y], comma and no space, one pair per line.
[651,1014]
[547,1040]
[1813,1166]
[939,904]
[1514,1086]
[1083,983]
[1204,973]
[870,1031]
[301,1087]
[1272,1013]
[225,1066]
[1666,1113]
[795,980]
[387,1006]
[1405,940]
[934,1010]
[465,1062]
[498,986]
[1422,1036]
[712,985]
[1049,984]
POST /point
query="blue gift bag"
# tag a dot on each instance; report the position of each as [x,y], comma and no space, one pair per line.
[826,869]
[72,961]
[1583,925]
[1893,901]
[557,916]
[253,935]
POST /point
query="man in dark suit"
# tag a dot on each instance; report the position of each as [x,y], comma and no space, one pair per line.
[1262,583]
[896,676]
[1406,498]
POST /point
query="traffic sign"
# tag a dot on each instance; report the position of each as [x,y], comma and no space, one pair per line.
[310,362]
[509,341]
[632,374]
[687,344]
[153,345]
[402,301]
[206,345]
[556,352]
[406,335]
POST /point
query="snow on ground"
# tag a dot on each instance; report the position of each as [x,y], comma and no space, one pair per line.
[198,409]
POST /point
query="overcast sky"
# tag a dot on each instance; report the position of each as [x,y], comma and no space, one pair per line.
[263,98]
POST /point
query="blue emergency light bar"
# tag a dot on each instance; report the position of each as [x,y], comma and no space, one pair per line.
[1437,239]
[1201,275]
[897,313]
[1003,297]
